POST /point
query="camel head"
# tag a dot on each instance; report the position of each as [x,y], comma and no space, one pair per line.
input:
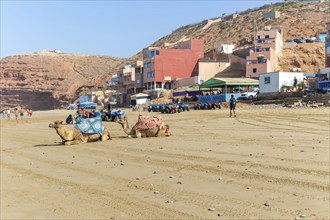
[121,121]
[56,124]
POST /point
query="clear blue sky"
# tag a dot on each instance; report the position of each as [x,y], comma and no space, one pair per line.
[110,28]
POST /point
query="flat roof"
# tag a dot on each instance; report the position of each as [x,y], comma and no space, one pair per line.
[220,82]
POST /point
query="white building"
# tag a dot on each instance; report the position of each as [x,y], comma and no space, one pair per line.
[226,48]
[273,82]
[140,99]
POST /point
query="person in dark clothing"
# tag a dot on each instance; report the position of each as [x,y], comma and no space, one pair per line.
[295,82]
[69,119]
[109,107]
[232,103]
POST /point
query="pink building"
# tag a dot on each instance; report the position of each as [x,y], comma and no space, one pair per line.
[264,56]
[130,79]
[163,66]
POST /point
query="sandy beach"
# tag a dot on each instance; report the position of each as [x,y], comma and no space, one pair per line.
[267,163]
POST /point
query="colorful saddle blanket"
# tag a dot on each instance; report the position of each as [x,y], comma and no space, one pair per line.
[90,125]
[145,122]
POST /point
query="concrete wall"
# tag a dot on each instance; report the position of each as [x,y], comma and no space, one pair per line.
[186,82]
[273,86]
[226,48]
[207,70]
[261,68]
[277,80]
[272,15]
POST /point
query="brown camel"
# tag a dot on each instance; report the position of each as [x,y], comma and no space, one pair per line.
[137,131]
[74,136]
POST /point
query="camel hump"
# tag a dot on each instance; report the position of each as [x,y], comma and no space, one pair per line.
[145,122]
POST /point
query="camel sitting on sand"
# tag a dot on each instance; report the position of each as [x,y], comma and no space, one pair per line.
[74,136]
[145,127]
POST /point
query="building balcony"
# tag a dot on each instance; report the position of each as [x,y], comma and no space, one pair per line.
[265,41]
[126,83]
[258,61]
[263,50]
[127,74]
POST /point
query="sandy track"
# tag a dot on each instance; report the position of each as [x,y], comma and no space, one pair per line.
[233,165]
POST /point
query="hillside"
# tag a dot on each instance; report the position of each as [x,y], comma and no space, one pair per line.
[51,80]
[297,20]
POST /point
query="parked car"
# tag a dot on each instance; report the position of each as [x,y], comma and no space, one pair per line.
[250,94]
[309,40]
[238,90]
[289,41]
[299,40]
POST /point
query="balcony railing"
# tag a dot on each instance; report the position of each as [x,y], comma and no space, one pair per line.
[265,40]
[259,61]
[261,50]
[127,74]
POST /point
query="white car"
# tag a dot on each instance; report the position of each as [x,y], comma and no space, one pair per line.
[250,94]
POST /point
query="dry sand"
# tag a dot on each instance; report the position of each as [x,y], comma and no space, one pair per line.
[213,167]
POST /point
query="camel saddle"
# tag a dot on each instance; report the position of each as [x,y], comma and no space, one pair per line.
[90,125]
[145,122]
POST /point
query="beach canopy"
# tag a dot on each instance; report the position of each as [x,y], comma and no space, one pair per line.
[221,82]
[87,104]
[140,95]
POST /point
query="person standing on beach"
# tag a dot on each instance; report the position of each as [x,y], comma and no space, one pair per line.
[8,113]
[232,103]
[16,113]
[21,114]
[295,82]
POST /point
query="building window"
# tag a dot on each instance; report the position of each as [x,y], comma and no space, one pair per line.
[137,81]
[152,54]
[267,36]
[258,36]
[157,52]
[146,65]
[266,49]
[328,50]
[267,79]
[151,74]
[254,70]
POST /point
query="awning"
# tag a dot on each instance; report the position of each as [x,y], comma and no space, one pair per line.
[140,95]
[87,104]
[221,82]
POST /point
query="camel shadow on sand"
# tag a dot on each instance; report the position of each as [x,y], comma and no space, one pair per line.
[49,145]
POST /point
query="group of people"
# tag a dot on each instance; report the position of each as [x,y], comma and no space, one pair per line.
[82,113]
[19,113]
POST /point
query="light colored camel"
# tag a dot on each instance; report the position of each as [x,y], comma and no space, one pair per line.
[159,131]
[74,136]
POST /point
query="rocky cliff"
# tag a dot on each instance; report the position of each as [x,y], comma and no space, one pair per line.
[49,80]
